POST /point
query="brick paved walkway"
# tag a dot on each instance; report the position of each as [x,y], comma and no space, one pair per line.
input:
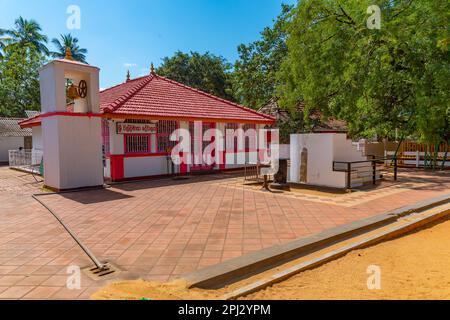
[163,229]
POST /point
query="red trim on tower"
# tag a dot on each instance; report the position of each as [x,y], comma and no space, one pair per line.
[36,121]
[71,114]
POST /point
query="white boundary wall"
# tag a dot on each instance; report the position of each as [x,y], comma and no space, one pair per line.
[145,167]
[7,144]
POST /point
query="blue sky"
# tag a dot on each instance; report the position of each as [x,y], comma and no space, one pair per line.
[123,35]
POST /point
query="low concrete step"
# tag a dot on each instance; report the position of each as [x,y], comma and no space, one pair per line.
[220,275]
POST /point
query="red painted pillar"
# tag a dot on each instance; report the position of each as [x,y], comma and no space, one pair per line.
[222,156]
[117,167]
[184,163]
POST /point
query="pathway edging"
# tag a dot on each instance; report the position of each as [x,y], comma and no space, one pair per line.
[335,254]
[232,271]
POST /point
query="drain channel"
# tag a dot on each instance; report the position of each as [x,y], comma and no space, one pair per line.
[96,273]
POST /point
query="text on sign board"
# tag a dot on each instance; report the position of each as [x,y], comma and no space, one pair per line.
[135,128]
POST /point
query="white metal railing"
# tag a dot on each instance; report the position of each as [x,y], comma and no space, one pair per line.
[419,159]
[361,146]
[25,159]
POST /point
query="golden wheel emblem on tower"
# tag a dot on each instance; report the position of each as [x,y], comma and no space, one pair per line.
[82,89]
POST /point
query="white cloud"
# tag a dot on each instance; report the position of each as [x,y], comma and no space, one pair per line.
[129,65]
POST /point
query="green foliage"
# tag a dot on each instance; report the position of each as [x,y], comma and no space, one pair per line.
[19,80]
[27,34]
[22,52]
[254,79]
[67,41]
[205,72]
[295,124]
[397,77]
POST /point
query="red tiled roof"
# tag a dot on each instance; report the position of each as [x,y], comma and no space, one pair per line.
[156,96]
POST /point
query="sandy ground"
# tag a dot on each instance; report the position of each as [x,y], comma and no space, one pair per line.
[416,266]
[140,290]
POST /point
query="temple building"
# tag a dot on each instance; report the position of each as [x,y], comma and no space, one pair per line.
[138,117]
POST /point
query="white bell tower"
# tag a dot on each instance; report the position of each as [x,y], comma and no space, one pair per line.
[72,139]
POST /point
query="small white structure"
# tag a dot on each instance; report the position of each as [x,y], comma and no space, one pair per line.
[313,156]
[72,141]
[12,137]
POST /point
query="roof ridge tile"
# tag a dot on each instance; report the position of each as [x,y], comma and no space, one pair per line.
[216,98]
[168,96]
[130,93]
[120,84]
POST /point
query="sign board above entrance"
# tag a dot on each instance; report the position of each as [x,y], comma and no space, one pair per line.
[135,128]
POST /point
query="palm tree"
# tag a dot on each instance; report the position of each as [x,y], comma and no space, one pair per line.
[67,41]
[2,42]
[26,33]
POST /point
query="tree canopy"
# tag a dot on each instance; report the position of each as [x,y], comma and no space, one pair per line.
[27,34]
[397,77]
[23,50]
[19,80]
[68,41]
[206,72]
[254,78]
[320,53]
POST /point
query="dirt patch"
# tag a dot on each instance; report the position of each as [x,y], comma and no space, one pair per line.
[412,267]
[140,290]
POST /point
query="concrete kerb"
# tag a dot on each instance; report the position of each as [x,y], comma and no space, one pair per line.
[232,271]
[335,254]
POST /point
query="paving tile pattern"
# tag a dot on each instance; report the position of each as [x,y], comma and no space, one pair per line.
[160,230]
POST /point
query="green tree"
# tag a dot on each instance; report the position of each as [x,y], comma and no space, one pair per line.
[205,72]
[397,77]
[26,34]
[254,78]
[67,41]
[19,80]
